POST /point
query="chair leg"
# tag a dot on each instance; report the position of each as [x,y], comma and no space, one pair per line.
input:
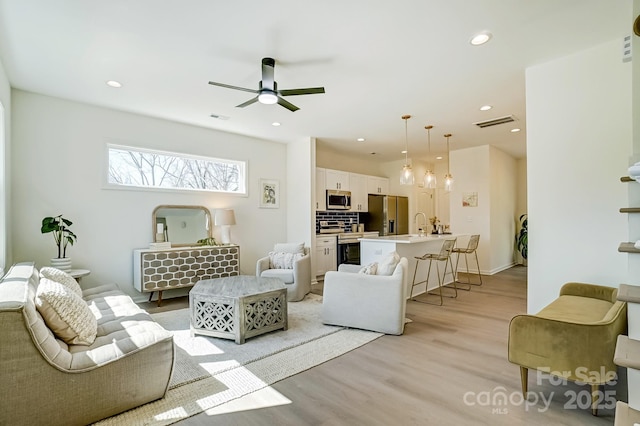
[524,379]
[595,397]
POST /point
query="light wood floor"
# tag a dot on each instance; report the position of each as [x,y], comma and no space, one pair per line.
[446,369]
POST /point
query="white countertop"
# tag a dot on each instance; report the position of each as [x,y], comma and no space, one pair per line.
[411,238]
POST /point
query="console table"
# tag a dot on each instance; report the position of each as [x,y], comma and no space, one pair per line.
[159,270]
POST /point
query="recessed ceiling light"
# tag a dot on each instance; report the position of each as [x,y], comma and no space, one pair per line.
[438,158]
[115,84]
[403,152]
[515,130]
[485,107]
[275,124]
[480,38]
[361,139]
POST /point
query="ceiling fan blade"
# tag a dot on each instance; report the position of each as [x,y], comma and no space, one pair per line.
[228,86]
[288,105]
[268,65]
[308,91]
[249,102]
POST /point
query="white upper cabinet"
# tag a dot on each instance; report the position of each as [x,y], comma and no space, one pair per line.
[321,189]
[359,196]
[377,185]
[337,179]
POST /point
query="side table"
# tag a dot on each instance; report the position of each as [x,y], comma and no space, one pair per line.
[78,273]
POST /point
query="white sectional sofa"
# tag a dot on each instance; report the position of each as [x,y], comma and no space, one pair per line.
[45,381]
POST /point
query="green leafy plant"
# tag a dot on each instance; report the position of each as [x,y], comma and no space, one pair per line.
[210,241]
[62,235]
[522,237]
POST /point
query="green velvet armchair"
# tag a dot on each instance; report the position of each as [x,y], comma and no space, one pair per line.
[573,337]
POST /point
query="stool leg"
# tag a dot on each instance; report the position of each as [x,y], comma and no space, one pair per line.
[455,278]
[444,276]
[455,273]
[475,252]
[426,288]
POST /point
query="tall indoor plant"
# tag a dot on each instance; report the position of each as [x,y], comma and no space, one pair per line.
[63,236]
[522,238]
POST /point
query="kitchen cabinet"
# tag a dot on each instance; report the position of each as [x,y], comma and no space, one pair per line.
[321,189]
[359,195]
[326,254]
[337,179]
[377,185]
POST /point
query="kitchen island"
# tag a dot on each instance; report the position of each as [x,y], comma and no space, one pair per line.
[373,249]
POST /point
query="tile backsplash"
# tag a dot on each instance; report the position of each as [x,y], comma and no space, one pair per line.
[347,217]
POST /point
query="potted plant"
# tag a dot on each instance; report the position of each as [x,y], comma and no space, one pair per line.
[522,238]
[62,236]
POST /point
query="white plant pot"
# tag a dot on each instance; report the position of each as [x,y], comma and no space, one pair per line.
[64,264]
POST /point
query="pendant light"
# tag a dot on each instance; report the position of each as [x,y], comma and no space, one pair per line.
[448,179]
[429,176]
[406,178]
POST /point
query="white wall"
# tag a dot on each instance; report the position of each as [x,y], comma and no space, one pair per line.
[492,174]
[59,156]
[5,173]
[300,189]
[578,145]
[503,183]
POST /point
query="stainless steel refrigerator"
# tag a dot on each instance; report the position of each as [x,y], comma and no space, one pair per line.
[388,214]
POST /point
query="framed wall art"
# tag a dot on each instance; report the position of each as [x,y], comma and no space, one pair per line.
[470,199]
[269,194]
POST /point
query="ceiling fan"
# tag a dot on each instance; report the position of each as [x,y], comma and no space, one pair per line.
[268,92]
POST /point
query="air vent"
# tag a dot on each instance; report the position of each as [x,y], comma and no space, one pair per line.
[495,121]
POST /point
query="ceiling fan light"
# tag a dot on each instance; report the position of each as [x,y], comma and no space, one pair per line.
[268,98]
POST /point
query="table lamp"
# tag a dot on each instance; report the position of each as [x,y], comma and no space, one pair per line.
[225,218]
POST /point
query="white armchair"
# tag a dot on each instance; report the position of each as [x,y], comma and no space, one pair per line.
[369,302]
[296,276]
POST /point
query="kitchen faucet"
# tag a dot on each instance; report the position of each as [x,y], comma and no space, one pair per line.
[415,220]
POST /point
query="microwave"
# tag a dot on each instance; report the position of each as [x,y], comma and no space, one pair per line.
[338,200]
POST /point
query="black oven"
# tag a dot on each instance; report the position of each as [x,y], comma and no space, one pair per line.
[349,248]
[349,252]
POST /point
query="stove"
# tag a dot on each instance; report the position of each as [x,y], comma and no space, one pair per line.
[352,237]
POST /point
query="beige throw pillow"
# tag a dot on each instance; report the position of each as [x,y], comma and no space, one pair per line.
[370,269]
[282,260]
[388,264]
[61,277]
[289,247]
[66,314]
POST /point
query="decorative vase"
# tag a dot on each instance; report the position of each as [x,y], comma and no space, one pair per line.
[64,264]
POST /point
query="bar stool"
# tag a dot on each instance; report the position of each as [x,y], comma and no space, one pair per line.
[471,248]
[444,255]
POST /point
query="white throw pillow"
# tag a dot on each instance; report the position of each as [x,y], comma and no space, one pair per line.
[370,269]
[283,260]
[61,277]
[66,314]
[388,264]
[289,248]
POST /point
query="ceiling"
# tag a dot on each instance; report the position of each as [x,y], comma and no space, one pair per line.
[378,60]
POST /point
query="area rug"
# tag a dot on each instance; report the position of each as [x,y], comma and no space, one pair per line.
[211,371]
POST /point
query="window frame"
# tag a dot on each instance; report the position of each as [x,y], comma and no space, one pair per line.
[243,166]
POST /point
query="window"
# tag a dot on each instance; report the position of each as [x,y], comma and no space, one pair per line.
[135,167]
